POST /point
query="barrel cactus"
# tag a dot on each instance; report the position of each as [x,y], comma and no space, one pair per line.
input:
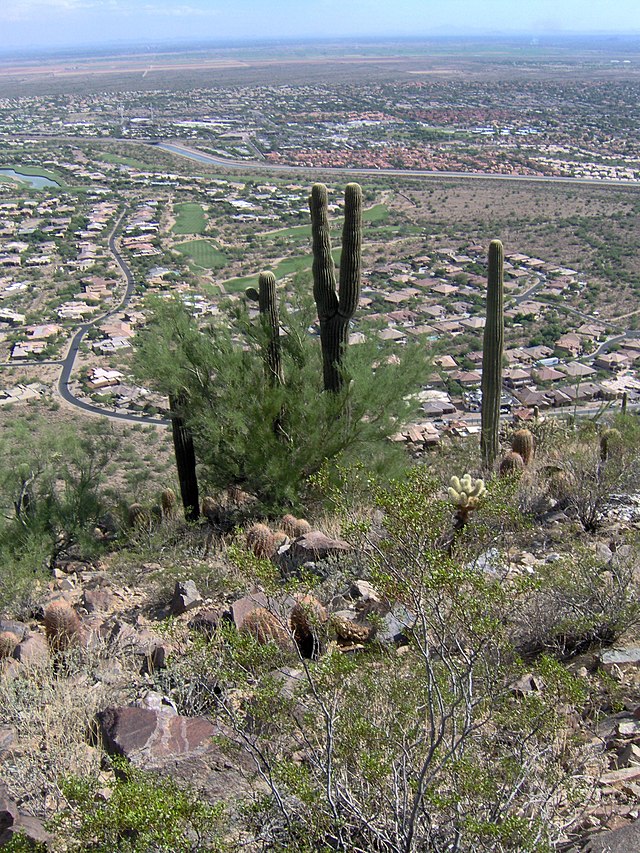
[335,308]
[511,464]
[168,502]
[522,442]
[492,356]
[62,626]
[260,540]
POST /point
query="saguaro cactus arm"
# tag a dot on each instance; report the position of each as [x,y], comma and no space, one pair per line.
[492,356]
[268,305]
[335,310]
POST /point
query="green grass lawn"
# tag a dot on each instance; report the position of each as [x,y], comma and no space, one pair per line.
[190,219]
[117,160]
[203,254]
[375,214]
[284,268]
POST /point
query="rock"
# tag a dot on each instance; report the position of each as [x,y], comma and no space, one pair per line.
[146,736]
[629,728]
[528,683]
[156,702]
[603,552]
[242,607]
[13,823]
[314,545]
[17,628]
[629,756]
[362,589]
[185,597]
[206,622]
[33,651]
[394,626]
[9,812]
[7,738]
[623,840]
[620,657]
[97,599]
[617,777]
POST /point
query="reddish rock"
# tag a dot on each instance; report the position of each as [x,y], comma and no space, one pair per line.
[314,545]
[146,736]
[100,599]
[205,622]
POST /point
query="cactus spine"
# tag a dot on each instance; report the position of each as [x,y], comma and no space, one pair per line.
[185,458]
[492,356]
[335,309]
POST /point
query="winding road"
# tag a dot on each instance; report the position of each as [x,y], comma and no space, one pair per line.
[69,360]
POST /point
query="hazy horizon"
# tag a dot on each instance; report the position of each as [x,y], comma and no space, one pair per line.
[49,25]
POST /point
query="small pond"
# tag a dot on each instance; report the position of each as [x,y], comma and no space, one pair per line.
[37,182]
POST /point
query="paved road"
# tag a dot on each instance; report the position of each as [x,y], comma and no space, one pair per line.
[69,361]
[253,165]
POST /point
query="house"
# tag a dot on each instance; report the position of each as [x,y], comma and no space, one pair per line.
[547,374]
[576,370]
[570,343]
[516,377]
[614,361]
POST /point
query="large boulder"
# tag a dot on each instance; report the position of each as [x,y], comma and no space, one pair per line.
[149,736]
[159,739]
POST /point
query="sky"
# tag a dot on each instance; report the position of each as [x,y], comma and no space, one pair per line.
[26,24]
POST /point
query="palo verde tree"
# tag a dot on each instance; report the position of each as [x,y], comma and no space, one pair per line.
[232,410]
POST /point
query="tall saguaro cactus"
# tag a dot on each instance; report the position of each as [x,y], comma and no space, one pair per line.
[335,309]
[268,305]
[185,459]
[492,356]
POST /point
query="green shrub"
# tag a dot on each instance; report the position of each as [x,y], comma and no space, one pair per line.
[143,812]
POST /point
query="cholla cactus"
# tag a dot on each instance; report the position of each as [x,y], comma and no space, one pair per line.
[260,540]
[62,626]
[465,493]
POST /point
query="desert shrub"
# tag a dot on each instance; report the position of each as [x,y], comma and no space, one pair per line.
[577,601]
[143,812]
[431,749]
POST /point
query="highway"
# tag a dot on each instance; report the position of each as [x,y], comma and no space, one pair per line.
[253,165]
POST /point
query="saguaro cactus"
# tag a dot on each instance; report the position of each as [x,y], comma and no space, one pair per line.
[335,309]
[268,305]
[492,356]
[185,459]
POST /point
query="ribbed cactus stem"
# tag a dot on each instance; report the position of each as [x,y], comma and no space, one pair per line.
[267,302]
[335,309]
[492,356]
[185,459]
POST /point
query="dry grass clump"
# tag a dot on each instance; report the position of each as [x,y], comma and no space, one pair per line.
[51,712]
